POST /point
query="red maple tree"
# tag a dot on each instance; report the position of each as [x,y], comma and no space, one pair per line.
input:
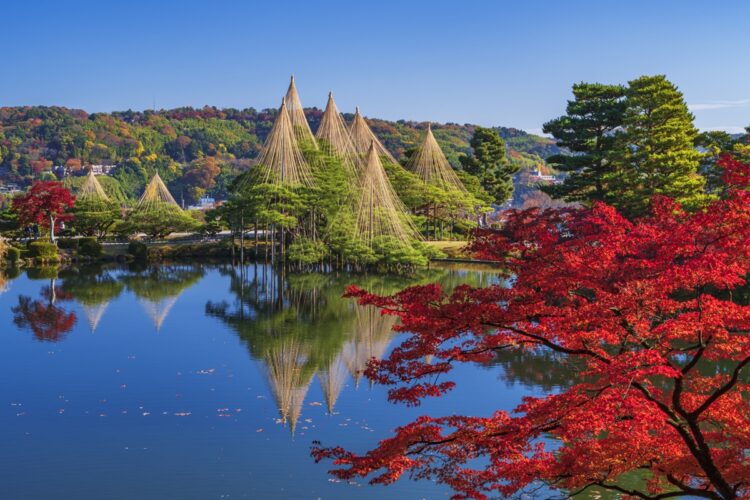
[651,309]
[46,203]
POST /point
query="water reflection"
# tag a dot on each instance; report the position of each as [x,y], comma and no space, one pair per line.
[94,288]
[299,326]
[538,368]
[159,287]
[48,320]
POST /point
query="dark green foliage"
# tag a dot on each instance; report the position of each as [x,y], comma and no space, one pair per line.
[95,217]
[90,247]
[43,250]
[713,144]
[138,250]
[13,254]
[629,144]
[67,243]
[488,163]
[305,251]
[158,220]
[42,272]
[588,129]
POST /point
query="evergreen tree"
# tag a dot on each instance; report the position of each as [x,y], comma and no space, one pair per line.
[714,144]
[488,162]
[656,154]
[588,129]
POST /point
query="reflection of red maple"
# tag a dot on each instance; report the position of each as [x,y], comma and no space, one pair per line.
[645,307]
[48,322]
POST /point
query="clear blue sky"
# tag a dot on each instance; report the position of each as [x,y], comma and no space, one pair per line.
[491,63]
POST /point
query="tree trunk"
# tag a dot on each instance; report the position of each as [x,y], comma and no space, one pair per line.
[242,239]
[52,229]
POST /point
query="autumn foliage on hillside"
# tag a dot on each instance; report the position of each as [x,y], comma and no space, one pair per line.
[653,309]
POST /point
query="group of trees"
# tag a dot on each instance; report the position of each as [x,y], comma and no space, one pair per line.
[177,143]
[632,142]
[641,283]
[653,311]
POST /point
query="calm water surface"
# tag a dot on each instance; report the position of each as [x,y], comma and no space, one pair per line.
[207,381]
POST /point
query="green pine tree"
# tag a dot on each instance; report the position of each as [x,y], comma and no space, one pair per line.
[588,129]
[489,164]
[656,154]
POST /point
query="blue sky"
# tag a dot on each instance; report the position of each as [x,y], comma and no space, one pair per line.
[491,63]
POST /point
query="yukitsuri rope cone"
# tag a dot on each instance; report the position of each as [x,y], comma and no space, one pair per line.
[431,165]
[334,138]
[289,381]
[332,378]
[371,340]
[281,161]
[297,115]
[91,190]
[363,137]
[156,195]
[379,212]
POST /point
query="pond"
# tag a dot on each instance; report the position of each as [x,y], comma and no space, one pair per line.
[211,381]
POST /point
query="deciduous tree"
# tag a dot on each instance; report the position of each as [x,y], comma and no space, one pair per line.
[46,204]
[652,311]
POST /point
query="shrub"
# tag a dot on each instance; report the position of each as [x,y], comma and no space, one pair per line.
[67,243]
[89,247]
[306,252]
[13,254]
[43,250]
[138,250]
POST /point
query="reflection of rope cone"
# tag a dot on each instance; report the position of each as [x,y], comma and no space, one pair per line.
[288,379]
[159,310]
[371,340]
[94,314]
[332,379]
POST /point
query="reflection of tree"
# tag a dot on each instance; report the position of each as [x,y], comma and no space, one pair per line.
[93,288]
[47,321]
[537,368]
[159,287]
[371,336]
[299,325]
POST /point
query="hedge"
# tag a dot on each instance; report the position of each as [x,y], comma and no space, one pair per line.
[43,250]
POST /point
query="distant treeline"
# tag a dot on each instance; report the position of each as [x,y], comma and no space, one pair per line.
[196,151]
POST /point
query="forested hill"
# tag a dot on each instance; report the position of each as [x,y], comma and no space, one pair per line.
[195,150]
